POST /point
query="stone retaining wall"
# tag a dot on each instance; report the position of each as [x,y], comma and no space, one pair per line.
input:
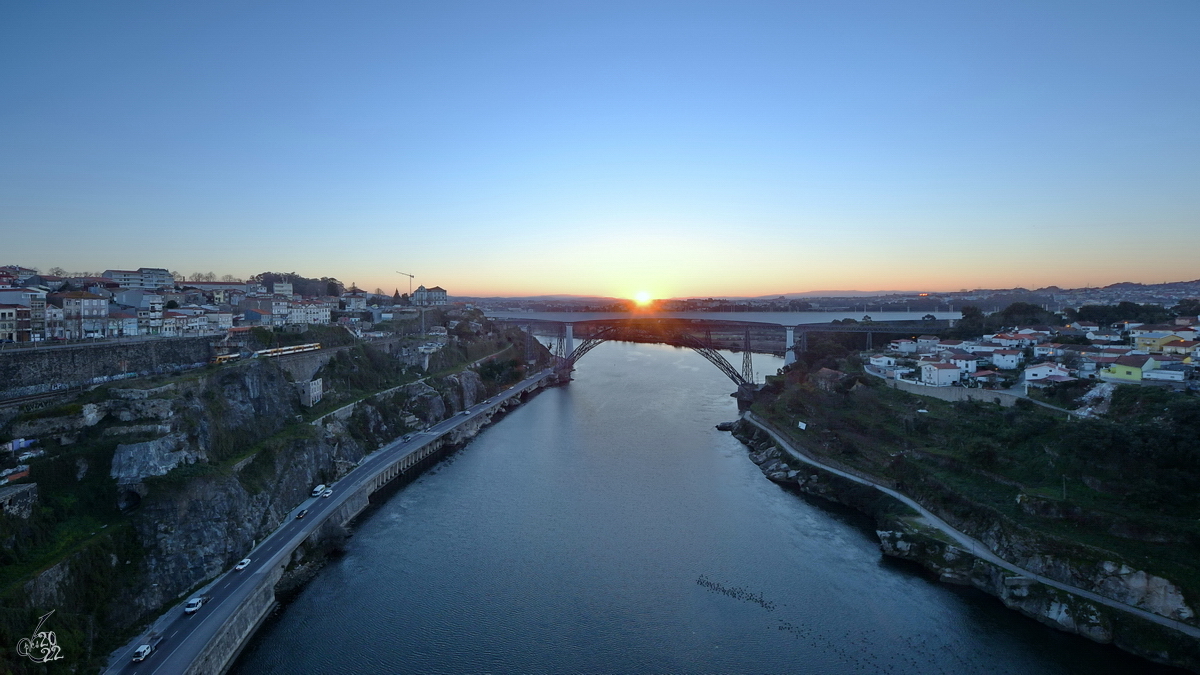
[37,371]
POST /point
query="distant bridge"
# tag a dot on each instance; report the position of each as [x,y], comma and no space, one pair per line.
[706,337]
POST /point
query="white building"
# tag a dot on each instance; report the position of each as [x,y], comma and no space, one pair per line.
[1044,370]
[940,374]
[966,363]
[142,277]
[429,297]
[1007,359]
[883,361]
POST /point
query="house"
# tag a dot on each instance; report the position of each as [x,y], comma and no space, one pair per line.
[1043,370]
[355,300]
[122,322]
[1130,368]
[1153,342]
[939,374]
[967,363]
[883,361]
[903,346]
[256,317]
[1170,372]
[85,315]
[8,323]
[986,376]
[1181,347]
[1007,359]
[1184,332]
[149,308]
[927,343]
[35,300]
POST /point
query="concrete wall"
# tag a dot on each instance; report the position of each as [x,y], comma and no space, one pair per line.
[957,393]
[36,371]
[232,636]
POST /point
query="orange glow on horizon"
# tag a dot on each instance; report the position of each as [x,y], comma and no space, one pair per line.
[642,298]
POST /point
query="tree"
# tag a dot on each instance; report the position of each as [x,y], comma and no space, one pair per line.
[229,279]
[177,276]
[1024,313]
[1187,307]
[57,272]
[171,304]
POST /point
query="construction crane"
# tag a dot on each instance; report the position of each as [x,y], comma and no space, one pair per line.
[410,278]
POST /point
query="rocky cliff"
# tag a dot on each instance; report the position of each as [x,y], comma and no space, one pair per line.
[203,468]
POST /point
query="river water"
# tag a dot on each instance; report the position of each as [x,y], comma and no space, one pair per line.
[607,527]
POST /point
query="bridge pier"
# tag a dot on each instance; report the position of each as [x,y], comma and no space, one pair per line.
[789,350]
[569,337]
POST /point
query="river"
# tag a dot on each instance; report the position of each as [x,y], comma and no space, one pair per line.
[607,527]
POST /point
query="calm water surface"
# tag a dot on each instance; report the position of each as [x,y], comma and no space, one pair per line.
[607,527]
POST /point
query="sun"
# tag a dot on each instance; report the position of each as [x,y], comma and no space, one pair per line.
[642,298]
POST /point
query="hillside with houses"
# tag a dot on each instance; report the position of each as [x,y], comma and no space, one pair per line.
[1040,356]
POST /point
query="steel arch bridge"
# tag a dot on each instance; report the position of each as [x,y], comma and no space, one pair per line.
[664,333]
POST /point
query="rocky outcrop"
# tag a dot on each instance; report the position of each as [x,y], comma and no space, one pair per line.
[135,462]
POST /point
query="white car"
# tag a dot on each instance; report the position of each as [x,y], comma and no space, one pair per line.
[327,493]
[193,605]
[243,564]
[141,653]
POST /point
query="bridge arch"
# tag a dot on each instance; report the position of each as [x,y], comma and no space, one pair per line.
[663,334]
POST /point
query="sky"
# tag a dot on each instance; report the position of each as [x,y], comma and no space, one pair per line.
[607,148]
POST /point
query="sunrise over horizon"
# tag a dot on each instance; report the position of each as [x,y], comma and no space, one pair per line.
[681,149]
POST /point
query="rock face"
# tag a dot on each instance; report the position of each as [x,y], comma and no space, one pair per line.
[135,462]
[17,501]
[188,530]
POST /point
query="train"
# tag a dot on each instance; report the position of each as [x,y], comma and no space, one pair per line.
[268,353]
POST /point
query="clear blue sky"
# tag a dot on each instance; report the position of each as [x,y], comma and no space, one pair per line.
[686,148]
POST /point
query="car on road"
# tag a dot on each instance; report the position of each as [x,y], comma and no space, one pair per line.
[193,605]
[243,564]
[465,412]
[327,493]
[303,512]
[141,653]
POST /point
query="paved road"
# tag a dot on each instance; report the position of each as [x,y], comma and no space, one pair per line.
[184,637]
[976,547]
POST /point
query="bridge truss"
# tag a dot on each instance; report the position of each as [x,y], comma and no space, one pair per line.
[669,335]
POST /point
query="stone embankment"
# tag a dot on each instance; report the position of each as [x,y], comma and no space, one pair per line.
[1104,600]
